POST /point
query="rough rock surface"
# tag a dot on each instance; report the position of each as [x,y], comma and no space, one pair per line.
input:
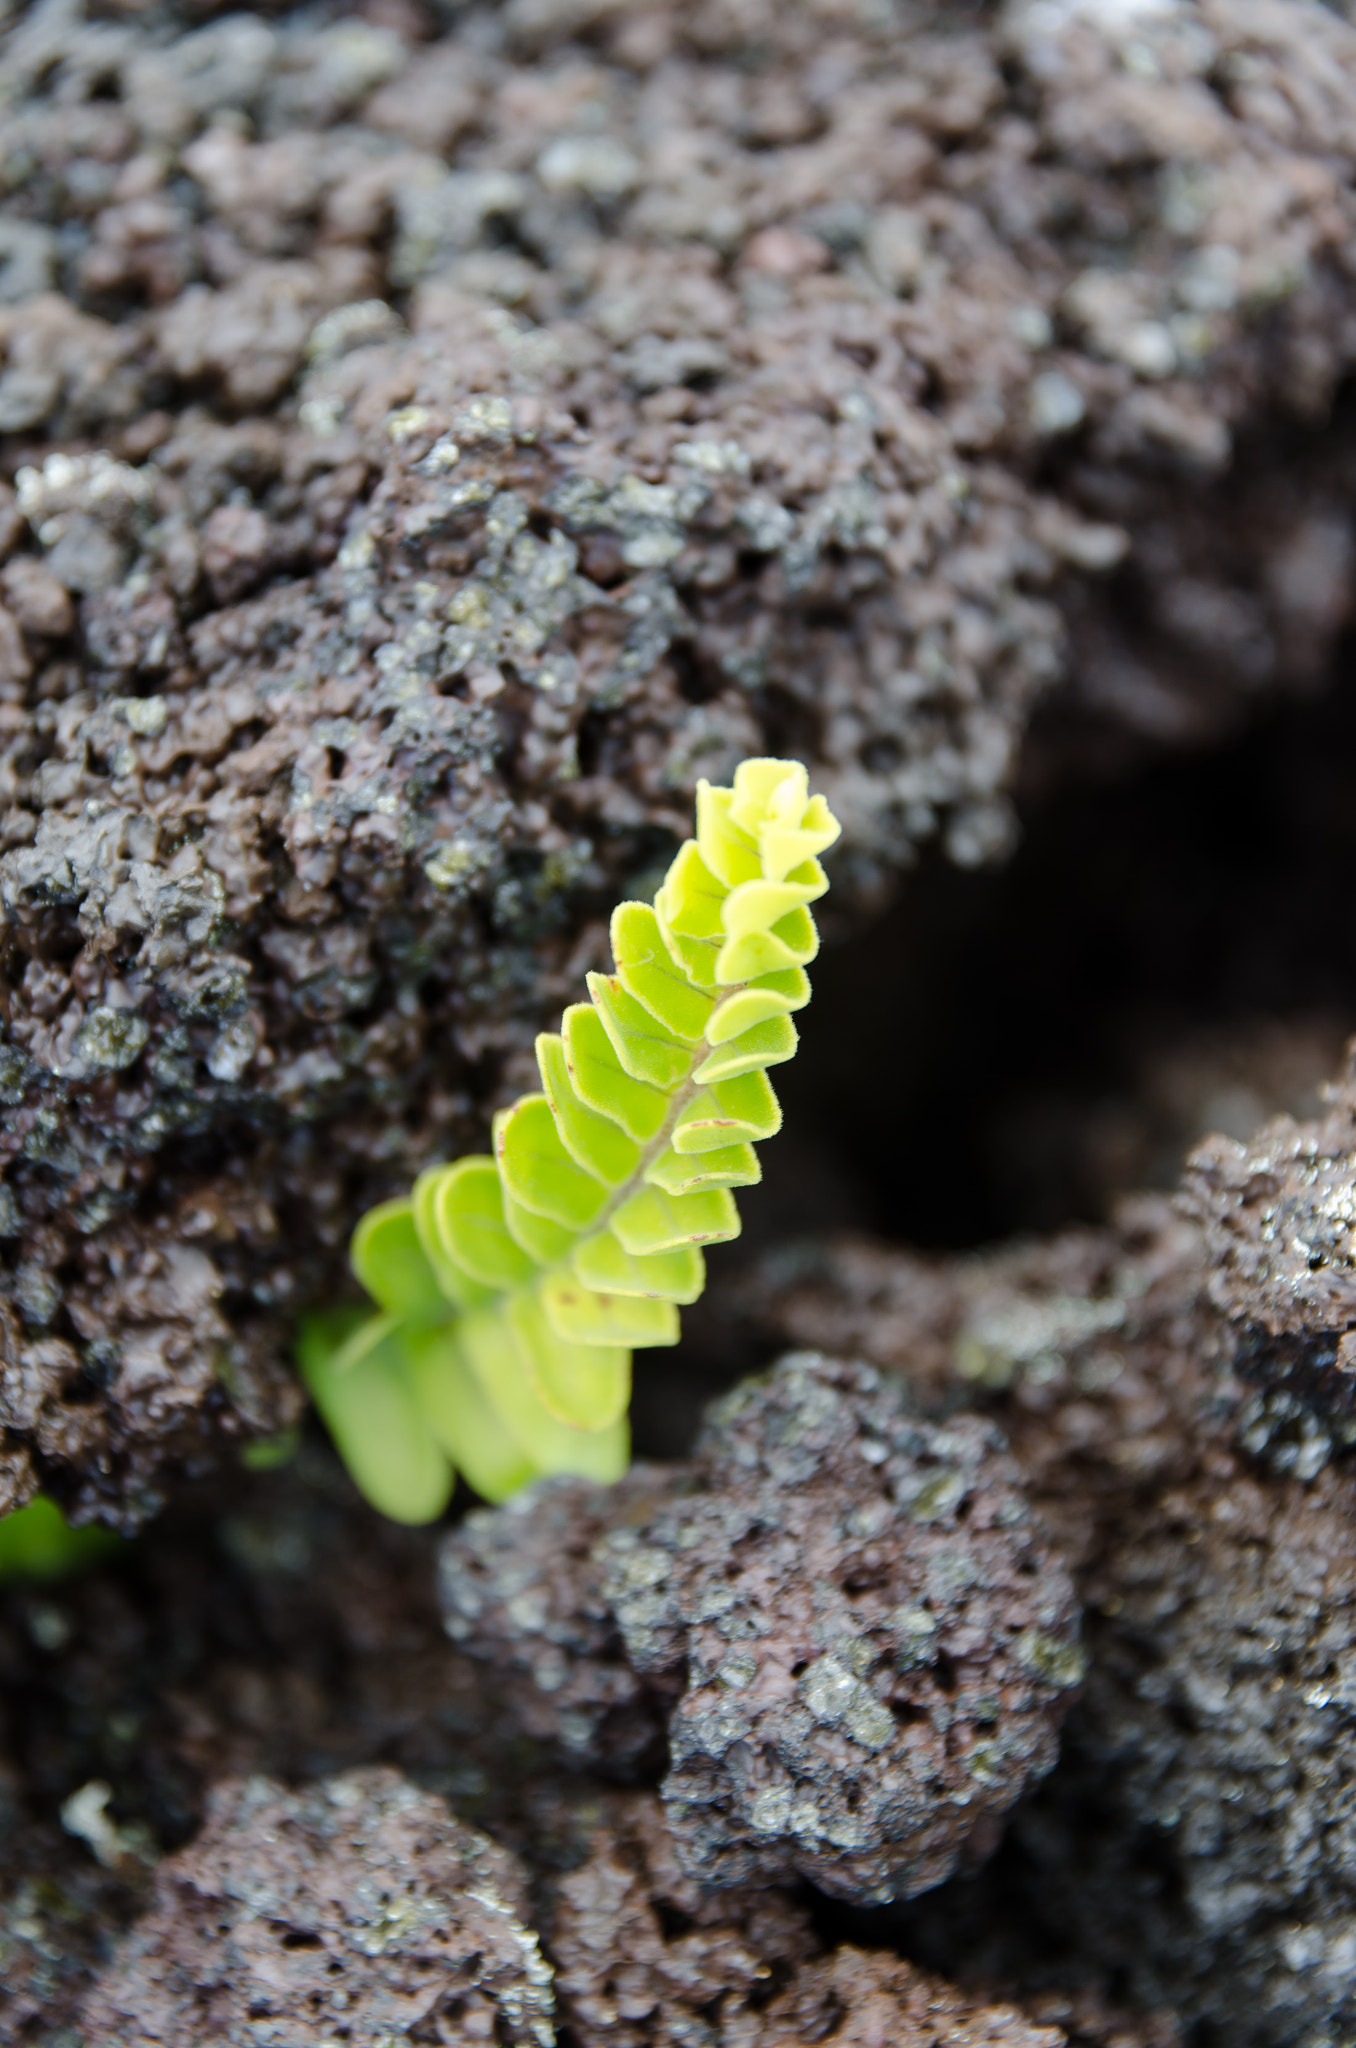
[859,1998]
[276,1628]
[646,1958]
[358,1908]
[1193,1842]
[1279,1215]
[58,1912]
[427,452]
[644,1954]
[288,1632]
[522,1592]
[863,1645]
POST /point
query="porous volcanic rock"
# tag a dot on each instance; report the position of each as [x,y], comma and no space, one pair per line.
[1193,1845]
[425,453]
[357,1908]
[644,1954]
[876,1643]
[862,1646]
[860,1997]
[645,1957]
[1279,1215]
[522,1593]
[273,1626]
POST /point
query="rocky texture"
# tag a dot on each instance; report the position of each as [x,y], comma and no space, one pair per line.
[646,1958]
[860,1998]
[286,1631]
[644,1954]
[428,456]
[358,1908]
[877,1647]
[862,1645]
[59,1909]
[1191,1845]
[274,1628]
[522,1593]
[1279,1214]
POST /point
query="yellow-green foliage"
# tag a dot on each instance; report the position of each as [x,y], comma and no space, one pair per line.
[37,1542]
[511,1290]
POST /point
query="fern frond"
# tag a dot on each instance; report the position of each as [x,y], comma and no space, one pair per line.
[512,1289]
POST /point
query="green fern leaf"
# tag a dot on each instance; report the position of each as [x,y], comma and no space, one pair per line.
[511,1290]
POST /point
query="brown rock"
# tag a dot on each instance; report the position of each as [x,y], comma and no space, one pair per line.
[359,1906]
[644,1954]
[861,1646]
[865,2000]
[852,505]
[36,599]
[522,1592]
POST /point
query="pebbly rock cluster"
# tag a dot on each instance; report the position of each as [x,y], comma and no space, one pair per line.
[1193,1843]
[843,1618]
[633,1952]
[429,445]
[288,1641]
[647,1958]
[358,1908]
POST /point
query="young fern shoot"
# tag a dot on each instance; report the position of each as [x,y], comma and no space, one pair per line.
[511,1290]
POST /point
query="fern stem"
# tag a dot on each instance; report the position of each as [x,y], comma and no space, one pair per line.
[686,1092]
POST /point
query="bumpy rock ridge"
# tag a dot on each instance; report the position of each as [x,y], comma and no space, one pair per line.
[853,1634]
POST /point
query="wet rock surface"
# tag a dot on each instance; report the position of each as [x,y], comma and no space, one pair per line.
[855,1636]
[360,1905]
[429,449]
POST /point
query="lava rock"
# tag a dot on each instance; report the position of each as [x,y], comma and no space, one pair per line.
[1279,1212]
[357,1907]
[859,1998]
[270,1627]
[859,1642]
[645,1954]
[430,456]
[876,1643]
[645,1957]
[522,1592]
[1192,1847]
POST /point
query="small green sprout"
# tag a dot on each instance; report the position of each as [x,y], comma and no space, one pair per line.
[37,1542]
[511,1290]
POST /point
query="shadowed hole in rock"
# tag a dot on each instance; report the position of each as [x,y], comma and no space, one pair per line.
[1171,950]
[944,1672]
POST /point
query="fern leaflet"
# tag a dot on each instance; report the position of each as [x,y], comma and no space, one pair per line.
[511,1290]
